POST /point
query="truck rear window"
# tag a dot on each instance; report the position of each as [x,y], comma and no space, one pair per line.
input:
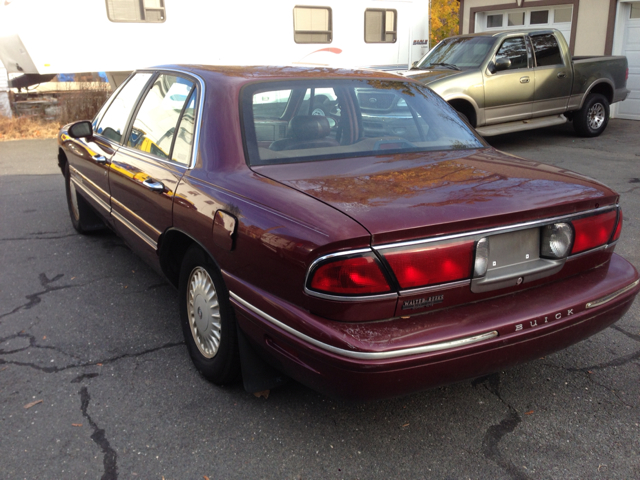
[546,50]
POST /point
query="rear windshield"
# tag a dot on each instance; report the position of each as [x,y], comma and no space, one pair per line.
[307,120]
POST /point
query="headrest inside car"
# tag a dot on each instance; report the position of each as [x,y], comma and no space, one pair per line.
[309,127]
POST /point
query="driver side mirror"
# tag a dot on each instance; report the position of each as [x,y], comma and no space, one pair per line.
[414,64]
[503,63]
[81,129]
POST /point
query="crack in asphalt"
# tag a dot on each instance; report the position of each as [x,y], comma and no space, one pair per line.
[610,390]
[495,433]
[84,376]
[32,344]
[632,336]
[630,190]
[89,364]
[616,362]
[98,436]
[22,239]
[34,298]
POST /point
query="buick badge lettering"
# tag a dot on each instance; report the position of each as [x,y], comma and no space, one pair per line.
[541,321]
[422,302]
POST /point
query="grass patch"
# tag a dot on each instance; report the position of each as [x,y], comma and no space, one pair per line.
[72,104]
[22,128]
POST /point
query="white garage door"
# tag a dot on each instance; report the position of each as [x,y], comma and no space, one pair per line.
[557,16]
[630,108]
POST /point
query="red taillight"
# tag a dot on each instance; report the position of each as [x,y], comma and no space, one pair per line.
[593,231]
[432,264]
[350,276]
[616,234]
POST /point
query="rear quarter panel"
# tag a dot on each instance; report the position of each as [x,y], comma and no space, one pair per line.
[588,72]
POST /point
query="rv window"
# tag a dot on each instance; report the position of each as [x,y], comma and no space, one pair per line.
[155,124]
[141,11]
[380,26]
[312,25]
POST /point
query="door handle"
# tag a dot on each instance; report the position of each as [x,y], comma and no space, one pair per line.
[151,184]
[524,79]
[562,75]
[100,158]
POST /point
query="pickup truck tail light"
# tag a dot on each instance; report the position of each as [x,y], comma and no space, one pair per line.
[595,231]
[357,275]
[431,264]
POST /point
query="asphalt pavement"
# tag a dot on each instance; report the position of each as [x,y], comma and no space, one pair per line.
[96,382]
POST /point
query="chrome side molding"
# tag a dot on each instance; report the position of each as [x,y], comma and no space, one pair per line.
[431,347]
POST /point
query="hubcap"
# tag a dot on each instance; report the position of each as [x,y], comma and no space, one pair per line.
[204,312]
[74,200]
[595,116]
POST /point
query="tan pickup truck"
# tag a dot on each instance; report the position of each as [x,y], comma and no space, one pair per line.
[520,80]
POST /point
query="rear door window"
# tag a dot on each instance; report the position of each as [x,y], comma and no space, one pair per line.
[114,121]
[546,50]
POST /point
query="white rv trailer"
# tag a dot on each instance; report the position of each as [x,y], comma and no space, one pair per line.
[68,36]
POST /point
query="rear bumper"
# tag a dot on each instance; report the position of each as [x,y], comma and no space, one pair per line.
[366,361]
[620,94]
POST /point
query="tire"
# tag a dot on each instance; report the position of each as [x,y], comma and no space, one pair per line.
[211,339]
[592,118]
[319,111]
[83,218]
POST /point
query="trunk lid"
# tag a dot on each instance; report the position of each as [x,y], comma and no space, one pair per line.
[426,194]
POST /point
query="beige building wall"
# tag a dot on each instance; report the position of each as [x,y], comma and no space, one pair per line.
[589,32]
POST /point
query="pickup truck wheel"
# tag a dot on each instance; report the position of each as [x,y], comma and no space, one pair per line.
[207,319]
[592,118]
[83,218]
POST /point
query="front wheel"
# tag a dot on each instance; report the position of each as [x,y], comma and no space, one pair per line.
[207,319]
[83,218]
[592,118]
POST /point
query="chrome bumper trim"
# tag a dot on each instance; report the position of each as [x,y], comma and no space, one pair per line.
[611,296]
[433,347]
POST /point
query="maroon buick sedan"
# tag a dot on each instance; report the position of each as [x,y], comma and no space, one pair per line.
[346,229]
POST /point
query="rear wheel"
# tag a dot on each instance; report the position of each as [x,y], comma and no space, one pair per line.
[592,118]
[83,218]
[207,319]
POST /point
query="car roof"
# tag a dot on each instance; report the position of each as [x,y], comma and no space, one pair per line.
[505,33]
[279,72]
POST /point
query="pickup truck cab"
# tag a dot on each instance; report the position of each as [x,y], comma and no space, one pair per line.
[520,80]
